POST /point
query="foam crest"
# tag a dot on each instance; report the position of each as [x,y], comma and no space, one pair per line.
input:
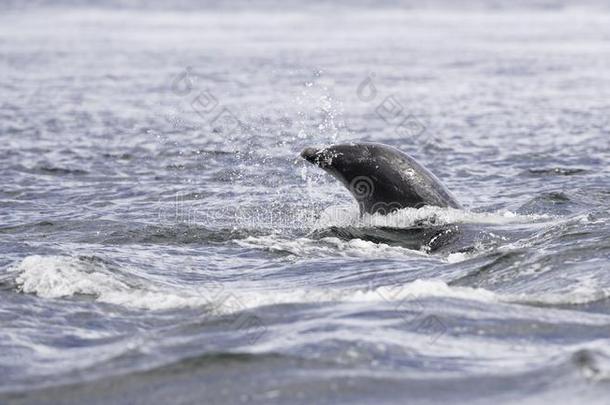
[343,216]
[585,290]
[326,246]
[64,276]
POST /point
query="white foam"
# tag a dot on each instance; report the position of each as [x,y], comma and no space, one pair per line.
[344,216]
[395,294]
[58,276]
[587,288]
[326,246]
[64,276]
[428,288]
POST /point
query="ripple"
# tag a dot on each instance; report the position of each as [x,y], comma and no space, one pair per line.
[557,171]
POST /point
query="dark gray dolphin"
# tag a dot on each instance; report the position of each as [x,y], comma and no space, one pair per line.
[381,178]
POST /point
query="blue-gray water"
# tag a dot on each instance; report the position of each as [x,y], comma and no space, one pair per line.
[161,240]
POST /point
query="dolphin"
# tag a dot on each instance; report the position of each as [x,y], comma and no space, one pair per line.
[381,178]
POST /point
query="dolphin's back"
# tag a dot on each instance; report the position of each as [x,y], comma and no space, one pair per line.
[380,177]
[423,182]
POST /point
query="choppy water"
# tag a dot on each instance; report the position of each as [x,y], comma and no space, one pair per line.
[161,241]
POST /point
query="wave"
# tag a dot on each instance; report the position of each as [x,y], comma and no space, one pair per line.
[326,246]
[427,229]
[65,276]
[347,216]
[54,277]
[124,233]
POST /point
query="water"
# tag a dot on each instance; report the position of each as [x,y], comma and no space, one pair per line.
[152,252]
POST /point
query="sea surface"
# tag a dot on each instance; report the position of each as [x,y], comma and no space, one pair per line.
[161,240]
